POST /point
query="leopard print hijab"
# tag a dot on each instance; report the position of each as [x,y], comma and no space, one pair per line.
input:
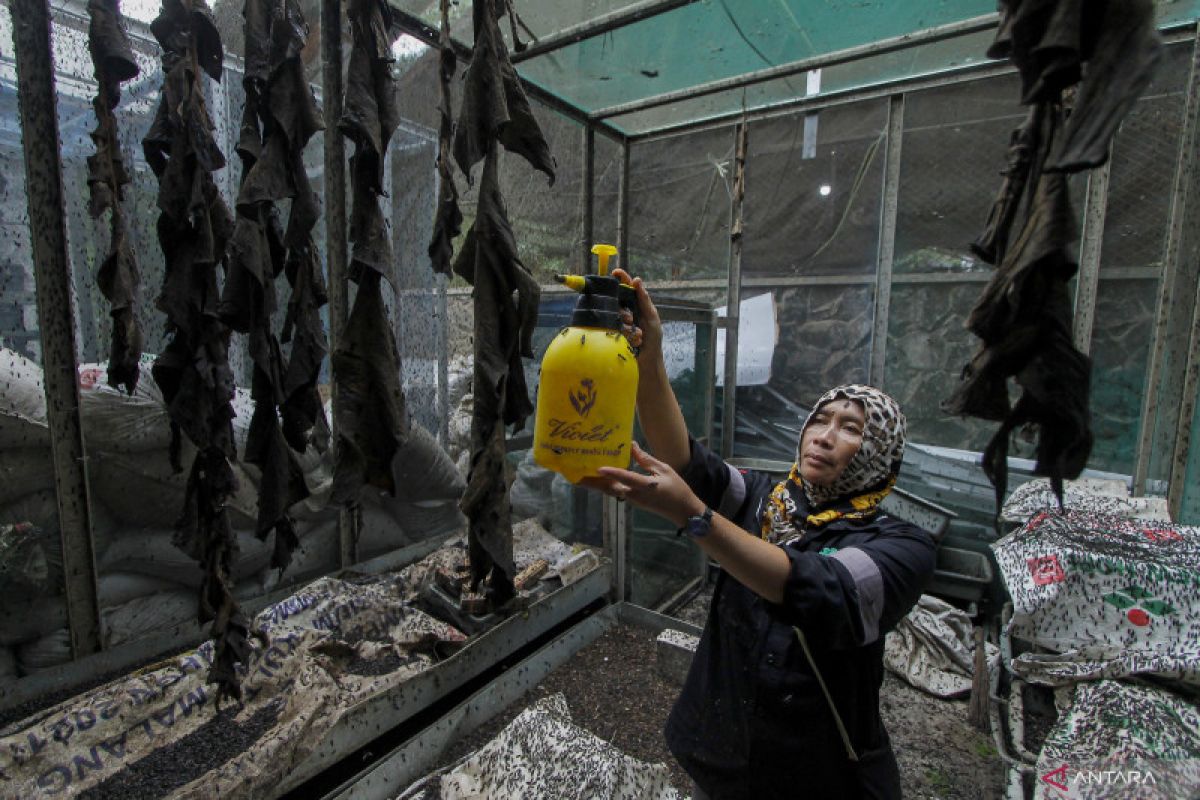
[863,484]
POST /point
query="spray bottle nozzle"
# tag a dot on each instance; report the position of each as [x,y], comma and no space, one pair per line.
[626,294]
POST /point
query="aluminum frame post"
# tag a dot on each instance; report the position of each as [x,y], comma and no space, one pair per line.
[1091,241]
[623,211]
[733,292]
[36,95]
[887,239]
[335,225]
[1168,356]
[589,198]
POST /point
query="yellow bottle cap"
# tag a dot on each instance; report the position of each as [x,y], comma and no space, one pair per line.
[605,252]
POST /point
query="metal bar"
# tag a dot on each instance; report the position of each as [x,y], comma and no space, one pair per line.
[856,53]
[422,31]
[1187,412]
[335,220]
[837,97]
[443,385]
[1164,350]
[598,26]
[887,238]
[1189,253]
[615,519]
[710,377]
[1091,240]
[733,292]
[623,211]
[676,598]
[52,276]
[589,197]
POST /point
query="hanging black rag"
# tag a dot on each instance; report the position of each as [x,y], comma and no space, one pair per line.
[279,117]
[113,63]
[193,370]
[495,112]
[1023,316]
[372,423]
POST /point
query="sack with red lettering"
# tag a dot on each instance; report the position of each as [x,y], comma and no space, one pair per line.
[1108,596]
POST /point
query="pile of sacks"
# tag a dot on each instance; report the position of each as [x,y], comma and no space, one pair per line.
[146,583]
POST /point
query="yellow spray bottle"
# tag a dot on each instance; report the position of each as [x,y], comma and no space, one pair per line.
[588,386]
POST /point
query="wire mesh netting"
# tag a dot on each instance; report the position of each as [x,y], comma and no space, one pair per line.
[814,184]
[669,240]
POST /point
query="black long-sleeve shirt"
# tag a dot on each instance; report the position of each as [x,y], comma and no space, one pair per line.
[752,720]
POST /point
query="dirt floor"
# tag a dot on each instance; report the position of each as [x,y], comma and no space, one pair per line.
[941,756]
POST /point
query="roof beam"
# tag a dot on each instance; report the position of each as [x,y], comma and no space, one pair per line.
[817,102]
[1172,34]
[941,32]
[598,26]
[421,30]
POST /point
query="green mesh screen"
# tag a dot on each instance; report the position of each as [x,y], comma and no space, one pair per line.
[712,40]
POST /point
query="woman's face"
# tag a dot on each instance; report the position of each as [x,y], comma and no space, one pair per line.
[830,440]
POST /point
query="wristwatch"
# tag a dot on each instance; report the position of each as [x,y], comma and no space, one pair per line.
[698,526]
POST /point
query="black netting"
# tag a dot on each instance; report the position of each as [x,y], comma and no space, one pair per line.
[1145,155]
[813,192]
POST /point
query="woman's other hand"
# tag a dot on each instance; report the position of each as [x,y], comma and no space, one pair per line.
[658,490]
[648,337]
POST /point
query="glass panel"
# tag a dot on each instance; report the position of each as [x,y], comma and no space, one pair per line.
[1120,351]
[955,144]
[670,239]
[1145,156]
[146,585]
[606,197]
[924,360]
[813,189]
[660,563]
[824,339]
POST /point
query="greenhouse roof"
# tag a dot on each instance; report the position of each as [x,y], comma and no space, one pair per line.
[634,69]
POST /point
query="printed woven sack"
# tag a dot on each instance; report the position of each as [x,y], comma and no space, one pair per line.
[1107,596]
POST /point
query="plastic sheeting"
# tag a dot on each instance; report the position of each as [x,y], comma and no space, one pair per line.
[933,649]
[543,755]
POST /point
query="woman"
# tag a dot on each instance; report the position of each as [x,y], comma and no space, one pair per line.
[782,698]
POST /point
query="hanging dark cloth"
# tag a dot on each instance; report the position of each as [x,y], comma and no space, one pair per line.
[118,278]
[372,424]
[494,112]
[1023,316]
[1110,52]
[279,117]
[447,222]
[193,370]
